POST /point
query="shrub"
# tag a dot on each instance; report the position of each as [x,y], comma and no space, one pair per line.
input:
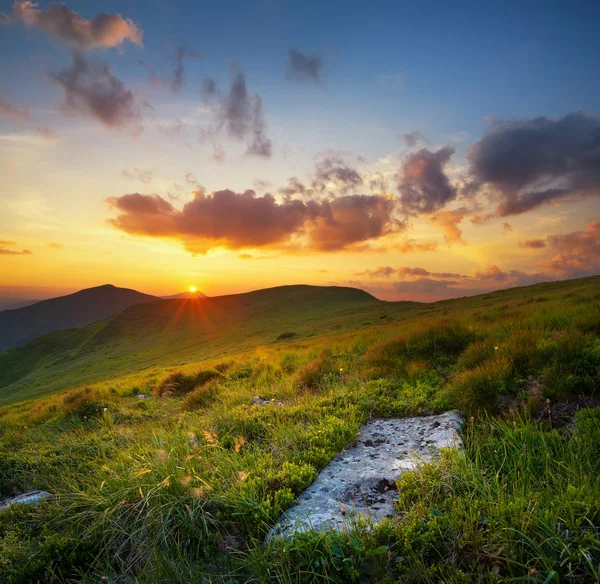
[479,388]
[201,397]
[84,403]
[288,335]
[179,383]
[475,354]
[312,375]
[447,338]
[387,357]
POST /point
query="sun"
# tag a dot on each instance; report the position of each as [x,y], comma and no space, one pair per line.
[192,289]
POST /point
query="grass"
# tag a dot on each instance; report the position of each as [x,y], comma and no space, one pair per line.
[184,487]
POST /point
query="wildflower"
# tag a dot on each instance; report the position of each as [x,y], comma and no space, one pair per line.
[496,348]
[106,409]
[242,475]
[341,369]
[208,437]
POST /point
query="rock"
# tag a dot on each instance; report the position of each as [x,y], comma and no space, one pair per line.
[142,396]
[25,498]
[362,479]
[261,401]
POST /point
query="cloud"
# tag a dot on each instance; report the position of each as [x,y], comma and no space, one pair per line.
[144,175]
[103,31]
[507,227]
[244,220]
[178,75]
[13,113]
[12,252]
[415,246]
[54,245]
[240,113]
[533,244]
[449,222]
[91,89]
[7,242]
[423,185]
[576,253]
[426,286]
[46,132]
[333,171]
[304,67]
[407,273]
[414,138]
[525,164]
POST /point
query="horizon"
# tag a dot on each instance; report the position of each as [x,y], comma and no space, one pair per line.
[144,145]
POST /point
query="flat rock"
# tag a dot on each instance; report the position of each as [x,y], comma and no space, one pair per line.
[25,498]
[362,478]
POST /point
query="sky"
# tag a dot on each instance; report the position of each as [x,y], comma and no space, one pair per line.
[419,152]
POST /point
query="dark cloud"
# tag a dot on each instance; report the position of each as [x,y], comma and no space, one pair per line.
[241,114]
[333,171]
[525,164]
[304,67]
[423,184]
[295,187]
[91,88]
[244,220]
[144,175]
[414,138]
[352,219]
[507,227]
[13,113]
[534,244]
[178,75]
[103,31]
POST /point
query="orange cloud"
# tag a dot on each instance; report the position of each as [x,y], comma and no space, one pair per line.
[103,31]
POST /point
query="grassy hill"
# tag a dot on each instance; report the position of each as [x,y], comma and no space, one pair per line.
[183,487]
[21,325]
[176,332]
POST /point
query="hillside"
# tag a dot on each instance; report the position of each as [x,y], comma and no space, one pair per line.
[21,325]
[175,332]
[184,484]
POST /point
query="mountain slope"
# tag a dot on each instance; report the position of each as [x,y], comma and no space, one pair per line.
[173,332]
[22,325]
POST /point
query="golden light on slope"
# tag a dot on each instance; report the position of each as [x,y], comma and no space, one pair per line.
[192,289]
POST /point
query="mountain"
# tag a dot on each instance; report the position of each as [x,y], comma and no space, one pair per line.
[195,295]
[21,325]
[172,332]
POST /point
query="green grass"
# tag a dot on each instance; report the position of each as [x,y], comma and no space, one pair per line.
[184,487]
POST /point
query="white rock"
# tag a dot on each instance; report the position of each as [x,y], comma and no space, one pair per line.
[362,479]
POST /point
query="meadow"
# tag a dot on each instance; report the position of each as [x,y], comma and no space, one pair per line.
[185,485]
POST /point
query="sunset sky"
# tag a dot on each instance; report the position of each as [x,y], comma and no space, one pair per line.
[418,151]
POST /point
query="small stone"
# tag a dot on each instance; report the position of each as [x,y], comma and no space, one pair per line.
[26,499]
[142,396]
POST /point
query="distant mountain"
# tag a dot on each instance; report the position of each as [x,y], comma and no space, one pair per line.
[172,332]
[21,325]
[196,294]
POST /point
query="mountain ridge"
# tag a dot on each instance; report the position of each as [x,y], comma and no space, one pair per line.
[18,326]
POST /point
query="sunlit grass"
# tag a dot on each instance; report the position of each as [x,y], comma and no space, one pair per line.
[186,485]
